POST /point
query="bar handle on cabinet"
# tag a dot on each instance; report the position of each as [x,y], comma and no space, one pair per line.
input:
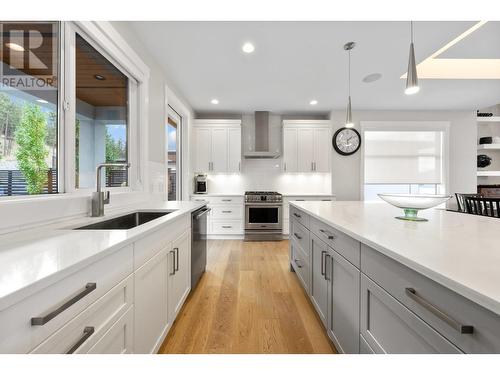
[327,234]
[463,329]
[284,166]
[297,263]
[227,226]
[297,236]
[296,215]
[323,270]
[312,166]
[40,321]
[176,249]
[226,212]
[173,262]
[227,200]
[326,267]
[87,332]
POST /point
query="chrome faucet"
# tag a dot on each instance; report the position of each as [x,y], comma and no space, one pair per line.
[100,198]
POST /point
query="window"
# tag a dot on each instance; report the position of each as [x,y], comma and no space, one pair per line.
[173,154]
[29,74]
[410,161]
[101,128]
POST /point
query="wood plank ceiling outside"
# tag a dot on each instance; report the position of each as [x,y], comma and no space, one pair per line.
[112,91]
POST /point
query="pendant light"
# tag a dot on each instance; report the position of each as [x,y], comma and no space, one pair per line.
[411,76]
[348,118]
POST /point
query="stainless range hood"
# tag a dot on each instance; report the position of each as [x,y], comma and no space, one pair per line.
[261,149]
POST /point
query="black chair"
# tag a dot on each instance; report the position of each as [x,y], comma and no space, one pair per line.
[483,206]
[461,200]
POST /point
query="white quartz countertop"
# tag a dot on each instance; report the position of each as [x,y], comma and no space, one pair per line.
[33,259]
[217,195]
[459,251]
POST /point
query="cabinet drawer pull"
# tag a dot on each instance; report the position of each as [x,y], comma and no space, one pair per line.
[323,269]
[227,200]
[297,215]
[176,249]
[40,321]
[297,236]
[326,200]
[326,267]
[226,212]
[327,234]
[297,263]
[464,329]
[87,332]
[227,226]
[173,262]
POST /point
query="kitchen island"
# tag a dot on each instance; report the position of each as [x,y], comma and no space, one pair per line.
[385,285]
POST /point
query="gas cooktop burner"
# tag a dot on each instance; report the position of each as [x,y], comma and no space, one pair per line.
[263,196]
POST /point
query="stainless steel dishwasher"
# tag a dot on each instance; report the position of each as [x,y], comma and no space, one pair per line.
[198,244]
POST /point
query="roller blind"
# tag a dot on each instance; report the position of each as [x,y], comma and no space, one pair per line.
[403,157]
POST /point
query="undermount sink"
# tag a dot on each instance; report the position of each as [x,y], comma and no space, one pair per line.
[128,221]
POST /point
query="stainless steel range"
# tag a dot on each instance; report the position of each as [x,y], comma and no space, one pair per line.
[263,216]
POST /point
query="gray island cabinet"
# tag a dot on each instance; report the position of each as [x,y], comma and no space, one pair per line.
[372,303]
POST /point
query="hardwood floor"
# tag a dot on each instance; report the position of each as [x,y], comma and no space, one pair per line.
[247,301]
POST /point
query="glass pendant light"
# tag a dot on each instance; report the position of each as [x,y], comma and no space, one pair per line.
[411,76]
[348,118]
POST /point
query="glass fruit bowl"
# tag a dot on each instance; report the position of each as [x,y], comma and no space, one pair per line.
[412,203]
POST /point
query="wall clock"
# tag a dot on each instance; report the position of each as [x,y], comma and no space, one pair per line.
[346,141]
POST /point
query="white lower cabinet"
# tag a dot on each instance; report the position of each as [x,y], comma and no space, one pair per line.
[151,317]
[119,339]
[179,275]
[91,325]
[226,218]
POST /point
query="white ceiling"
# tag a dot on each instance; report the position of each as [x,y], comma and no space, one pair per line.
[295,62]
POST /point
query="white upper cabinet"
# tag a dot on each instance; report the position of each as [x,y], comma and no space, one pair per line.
[218,146]
[307,146]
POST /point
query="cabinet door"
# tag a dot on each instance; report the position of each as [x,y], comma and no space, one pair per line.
[343,314]
[234,160]
[305,150]
[150,299]
[290,150]
[219,150]
[319,283]
[203,149]
[389,327]
[179,272]
[322,146]
[119,338]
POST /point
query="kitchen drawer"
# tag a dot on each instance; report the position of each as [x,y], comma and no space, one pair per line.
[391,328]
[119,338]
[301,235]
[227,226]
[300,216]
[364,348]
[395,278]
[76,290]
[154,242]
[300,263]
[224,200]
[92,323]
[227,212]
[346,246]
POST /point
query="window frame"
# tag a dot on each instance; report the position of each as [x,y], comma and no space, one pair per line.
[443,126]
[105,38]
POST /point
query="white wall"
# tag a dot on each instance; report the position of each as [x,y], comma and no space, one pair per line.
[157,110]
[462,165]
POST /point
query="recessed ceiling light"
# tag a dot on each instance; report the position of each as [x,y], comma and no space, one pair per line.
[372,77]
[15,47]
[248,47]
[214,101]
[99,77]
[313,102]
[42,101]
